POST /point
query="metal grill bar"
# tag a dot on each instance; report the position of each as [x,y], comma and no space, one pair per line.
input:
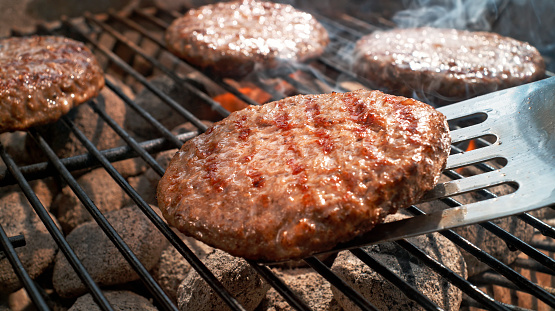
[32,290]
[509,238]
[129,70]
[159,127]
[169,234]
[101,220]
[483,257]
[44,169]
[53,229]
[293,300]
[407,289]
[447,273]
[128,139]
[213,104]
[500,267]
[163,227]
[336,281]
[532,265]
[16,241]
[493,278]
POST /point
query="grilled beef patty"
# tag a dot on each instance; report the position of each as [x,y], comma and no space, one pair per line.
[445,64]
[229,39]
[42,78]
[299,175]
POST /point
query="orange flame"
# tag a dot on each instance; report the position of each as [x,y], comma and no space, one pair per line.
[232,103]
[471,146]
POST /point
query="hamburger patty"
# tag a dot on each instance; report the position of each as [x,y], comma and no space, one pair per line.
[445,64]
[230,38]
[299,175]
[42,78]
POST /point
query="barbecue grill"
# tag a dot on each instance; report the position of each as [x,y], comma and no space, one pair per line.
[131,48]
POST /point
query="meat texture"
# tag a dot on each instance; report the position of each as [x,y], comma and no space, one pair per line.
[229,39]
[299,175]
[445,65]
[42,78]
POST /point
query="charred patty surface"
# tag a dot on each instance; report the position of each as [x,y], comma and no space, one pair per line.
[42,78]
[299,175]
[445,64]
[230,38]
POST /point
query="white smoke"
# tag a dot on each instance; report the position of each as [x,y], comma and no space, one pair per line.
[458,14]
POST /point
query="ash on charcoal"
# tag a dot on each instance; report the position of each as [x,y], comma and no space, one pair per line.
[103,190]
[100,256]
[18,217]
[383,294]
[307,284]
[172,268]
[119,300]
[14,144]
[45,189]
[235,274]
[66,144]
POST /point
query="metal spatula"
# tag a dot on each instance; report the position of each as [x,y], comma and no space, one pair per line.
[523,121]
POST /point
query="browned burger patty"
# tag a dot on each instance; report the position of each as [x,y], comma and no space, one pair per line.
[230,38]
[445,64]
[42,78]
[299,175]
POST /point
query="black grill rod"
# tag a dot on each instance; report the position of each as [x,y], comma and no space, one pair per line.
[406,288]
[24,278]
[340,284]
[293,299]
[110,232]
[127,138]
[508,238]
[491,261]
[368,28]
[44,169]
[153,19]
[466,303]
[127,68]
[133,25]
[494,278]
[454,278]
[337,27]
[545,245]
[137,50]
[544,228]
[532,264]
[168,135]
[478,253]
[56,234]
[17,241]
[159,223]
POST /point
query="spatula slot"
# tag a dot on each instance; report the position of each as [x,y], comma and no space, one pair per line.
[467,121]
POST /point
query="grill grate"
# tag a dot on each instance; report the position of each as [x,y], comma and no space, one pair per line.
[132,60]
